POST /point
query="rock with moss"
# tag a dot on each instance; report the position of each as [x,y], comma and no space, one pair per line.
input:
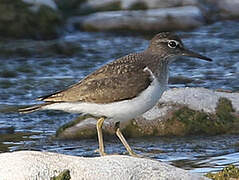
[82,128]
[153,20]
[45,165]
[179,112]
[229,172]
[38,19]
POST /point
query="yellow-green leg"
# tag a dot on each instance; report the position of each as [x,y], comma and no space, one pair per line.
[100,136]
[123,140]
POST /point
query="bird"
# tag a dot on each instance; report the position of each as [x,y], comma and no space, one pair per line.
[122,89]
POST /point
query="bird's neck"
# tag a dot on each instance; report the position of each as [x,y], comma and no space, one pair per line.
[159,66]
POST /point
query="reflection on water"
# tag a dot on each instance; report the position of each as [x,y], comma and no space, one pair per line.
[30,69]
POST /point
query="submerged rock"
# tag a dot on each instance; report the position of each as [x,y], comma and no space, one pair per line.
[44,165]
[9,135]
[39,48]
[7,130]
[179,112]
[178,18]
[37,19]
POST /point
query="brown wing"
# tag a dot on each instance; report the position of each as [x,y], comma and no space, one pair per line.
[119,80]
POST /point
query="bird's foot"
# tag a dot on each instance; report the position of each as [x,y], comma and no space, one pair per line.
[132,153]
[102,153]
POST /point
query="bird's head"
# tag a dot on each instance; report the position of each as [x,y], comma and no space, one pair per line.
[169,46]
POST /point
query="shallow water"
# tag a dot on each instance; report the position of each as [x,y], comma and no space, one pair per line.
[30,69]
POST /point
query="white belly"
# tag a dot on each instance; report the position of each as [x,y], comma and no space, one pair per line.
[117,111]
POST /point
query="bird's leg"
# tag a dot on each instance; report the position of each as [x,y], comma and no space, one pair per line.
[100,136]
[123,140]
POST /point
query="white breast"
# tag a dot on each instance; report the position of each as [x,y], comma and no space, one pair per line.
[121,110]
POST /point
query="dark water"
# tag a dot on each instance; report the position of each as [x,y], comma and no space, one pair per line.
[29,69]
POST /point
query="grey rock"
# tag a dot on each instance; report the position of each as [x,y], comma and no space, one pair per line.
[199,98]
[149,4]
[177,18]
[28,165]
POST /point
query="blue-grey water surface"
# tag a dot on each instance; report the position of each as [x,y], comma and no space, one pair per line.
[29,69]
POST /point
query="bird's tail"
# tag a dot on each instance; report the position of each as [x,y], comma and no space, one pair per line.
[33,108]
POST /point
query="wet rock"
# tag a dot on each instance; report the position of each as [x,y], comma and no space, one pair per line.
[43,165]
[178,18]
[179,112]
[37,19]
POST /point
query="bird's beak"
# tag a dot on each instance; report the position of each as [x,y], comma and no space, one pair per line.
[189,53]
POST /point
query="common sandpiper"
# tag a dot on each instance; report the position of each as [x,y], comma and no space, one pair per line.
[122,89]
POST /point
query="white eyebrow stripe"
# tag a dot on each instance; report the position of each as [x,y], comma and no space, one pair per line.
[167,40]
[161,40]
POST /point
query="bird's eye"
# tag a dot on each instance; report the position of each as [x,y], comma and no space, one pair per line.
[172,44]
